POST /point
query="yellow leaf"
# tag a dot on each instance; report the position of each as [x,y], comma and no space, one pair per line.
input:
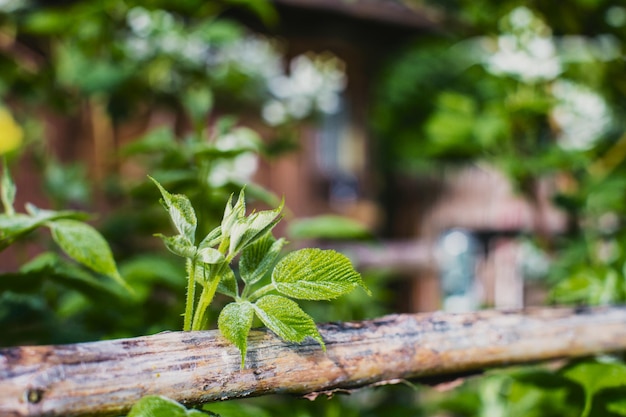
[10,132]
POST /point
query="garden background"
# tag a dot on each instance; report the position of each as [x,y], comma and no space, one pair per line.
[464,154]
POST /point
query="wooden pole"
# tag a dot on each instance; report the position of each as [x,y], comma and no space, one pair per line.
[106,378]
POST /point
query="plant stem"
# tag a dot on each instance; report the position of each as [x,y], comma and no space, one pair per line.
[191,294]
[261,292]
[208,292]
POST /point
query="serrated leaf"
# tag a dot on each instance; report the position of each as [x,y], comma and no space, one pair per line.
[181,212]
[178,245]
[315,274]
[158,406]
[247,230]
[285,318]
[7,190]
[234,323]
[258,258]
[86,245]
[210,256]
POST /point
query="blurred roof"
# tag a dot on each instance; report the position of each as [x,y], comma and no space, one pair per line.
[392,12]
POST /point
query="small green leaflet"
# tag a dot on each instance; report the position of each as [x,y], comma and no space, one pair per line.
[285,318]
[258,258]
[180,210]
[86,245]
[158,406]
[234,323]
[315,274]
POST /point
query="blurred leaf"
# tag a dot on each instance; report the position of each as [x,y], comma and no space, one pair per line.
[237,409]
[84,244]
[595,377]
[157,406]
[17,225]
[46,22]
[327,227]
[7,191]
[181,212]
[157,140]
[198,103]
[48,266]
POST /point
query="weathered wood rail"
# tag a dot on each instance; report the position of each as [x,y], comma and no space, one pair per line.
[107,377]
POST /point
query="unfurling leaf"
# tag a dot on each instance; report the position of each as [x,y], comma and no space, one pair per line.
[233,213]
[178,245]
[86,245]
[285,318]
[247,230]
[210,256]
[234,323]
[315,274]
[258,258]
[213,238]
[181,212]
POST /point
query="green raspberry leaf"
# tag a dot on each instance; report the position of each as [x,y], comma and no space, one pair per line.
[86,245]
[228,284]
[258,258]
[181,212]
[234,323]
[158,406]
[247,230]
[285,318]
[315,274]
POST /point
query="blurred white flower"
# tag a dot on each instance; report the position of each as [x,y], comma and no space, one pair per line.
[582,115]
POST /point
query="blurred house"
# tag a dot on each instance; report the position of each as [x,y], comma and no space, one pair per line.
[452,236]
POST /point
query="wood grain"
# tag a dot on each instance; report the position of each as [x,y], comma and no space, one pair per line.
[107,377]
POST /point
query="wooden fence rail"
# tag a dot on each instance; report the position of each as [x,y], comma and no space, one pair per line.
[107,377]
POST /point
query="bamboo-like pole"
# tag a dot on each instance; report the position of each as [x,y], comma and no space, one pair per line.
[107,377]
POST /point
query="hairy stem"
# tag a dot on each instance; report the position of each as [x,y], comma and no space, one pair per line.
[191,294]
[206,296]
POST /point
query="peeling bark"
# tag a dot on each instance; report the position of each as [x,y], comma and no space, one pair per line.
[107,377]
